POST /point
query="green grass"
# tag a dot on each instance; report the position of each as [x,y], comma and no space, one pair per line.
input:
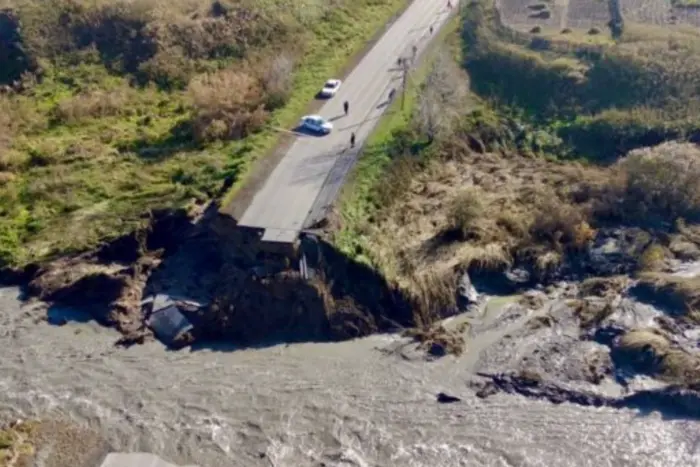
[357,200]
[67,186]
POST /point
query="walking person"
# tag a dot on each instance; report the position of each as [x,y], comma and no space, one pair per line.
[431,29]
[449,4]
[346,107]
[352,140]
[415,52]
[392,93]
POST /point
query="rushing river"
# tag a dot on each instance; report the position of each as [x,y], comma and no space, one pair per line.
[344,404]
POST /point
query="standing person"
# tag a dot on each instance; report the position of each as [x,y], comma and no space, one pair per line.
[449,4]
[352,140]
[431,29]
[391,93]
[346,107]
[415,52]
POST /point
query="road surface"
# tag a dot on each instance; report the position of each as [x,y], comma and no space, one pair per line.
[309,177]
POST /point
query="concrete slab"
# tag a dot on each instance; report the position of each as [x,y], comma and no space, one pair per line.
[135,459]
[307,180]
[279,235]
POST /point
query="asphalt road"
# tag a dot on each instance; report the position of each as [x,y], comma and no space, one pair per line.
[307,180]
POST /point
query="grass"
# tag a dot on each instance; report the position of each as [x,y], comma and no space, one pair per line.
[654,353]
[96,135]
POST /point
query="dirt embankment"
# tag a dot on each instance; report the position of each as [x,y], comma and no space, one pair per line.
[250,296]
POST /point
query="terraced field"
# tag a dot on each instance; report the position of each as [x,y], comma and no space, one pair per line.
[587,14]
[524,15]
[659,12]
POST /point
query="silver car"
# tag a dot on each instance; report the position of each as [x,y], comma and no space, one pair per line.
[330,88]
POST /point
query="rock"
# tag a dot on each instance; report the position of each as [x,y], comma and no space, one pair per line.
[466,293]
[443,398]
[518,276]
[616,251]
[486,390]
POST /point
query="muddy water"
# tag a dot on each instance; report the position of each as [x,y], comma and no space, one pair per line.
[344,404]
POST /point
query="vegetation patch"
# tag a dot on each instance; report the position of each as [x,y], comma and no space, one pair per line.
[113,109]
[652,352]
[602,98]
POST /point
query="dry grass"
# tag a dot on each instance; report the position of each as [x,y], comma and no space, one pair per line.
[680,294]
[438,340]
[228,105]
[653,351]
[480,211]
[95,104]
[591,314]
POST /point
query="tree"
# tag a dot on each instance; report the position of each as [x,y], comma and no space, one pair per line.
[442,97]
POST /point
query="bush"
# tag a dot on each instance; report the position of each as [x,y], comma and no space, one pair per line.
[92,105]
[659,184]
[536,30]
[229,104]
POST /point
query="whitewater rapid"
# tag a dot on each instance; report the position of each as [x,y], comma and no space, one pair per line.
[342,404]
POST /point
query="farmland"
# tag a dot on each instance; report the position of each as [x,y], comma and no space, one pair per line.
[584,15]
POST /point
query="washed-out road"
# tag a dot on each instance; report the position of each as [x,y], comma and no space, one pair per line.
[306,181]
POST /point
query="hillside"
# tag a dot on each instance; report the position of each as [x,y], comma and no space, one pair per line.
[111,109]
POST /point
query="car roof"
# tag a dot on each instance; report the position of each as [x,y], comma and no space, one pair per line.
[313,117]
[332,81]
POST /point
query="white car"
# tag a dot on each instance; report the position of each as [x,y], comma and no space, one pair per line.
[330,88]
[316,123]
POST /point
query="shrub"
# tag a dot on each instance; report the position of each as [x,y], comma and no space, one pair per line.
[228,105]
[536,30]
[659,184]
[92,104]
[594,31]
[276,77]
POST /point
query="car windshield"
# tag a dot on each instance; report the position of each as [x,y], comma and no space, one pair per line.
[331,84]
[316,120]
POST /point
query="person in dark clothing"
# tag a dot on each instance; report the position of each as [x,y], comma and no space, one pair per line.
[449,4]
[352,140]
[415,51]
[392,93]
[431,29]
[346,107]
